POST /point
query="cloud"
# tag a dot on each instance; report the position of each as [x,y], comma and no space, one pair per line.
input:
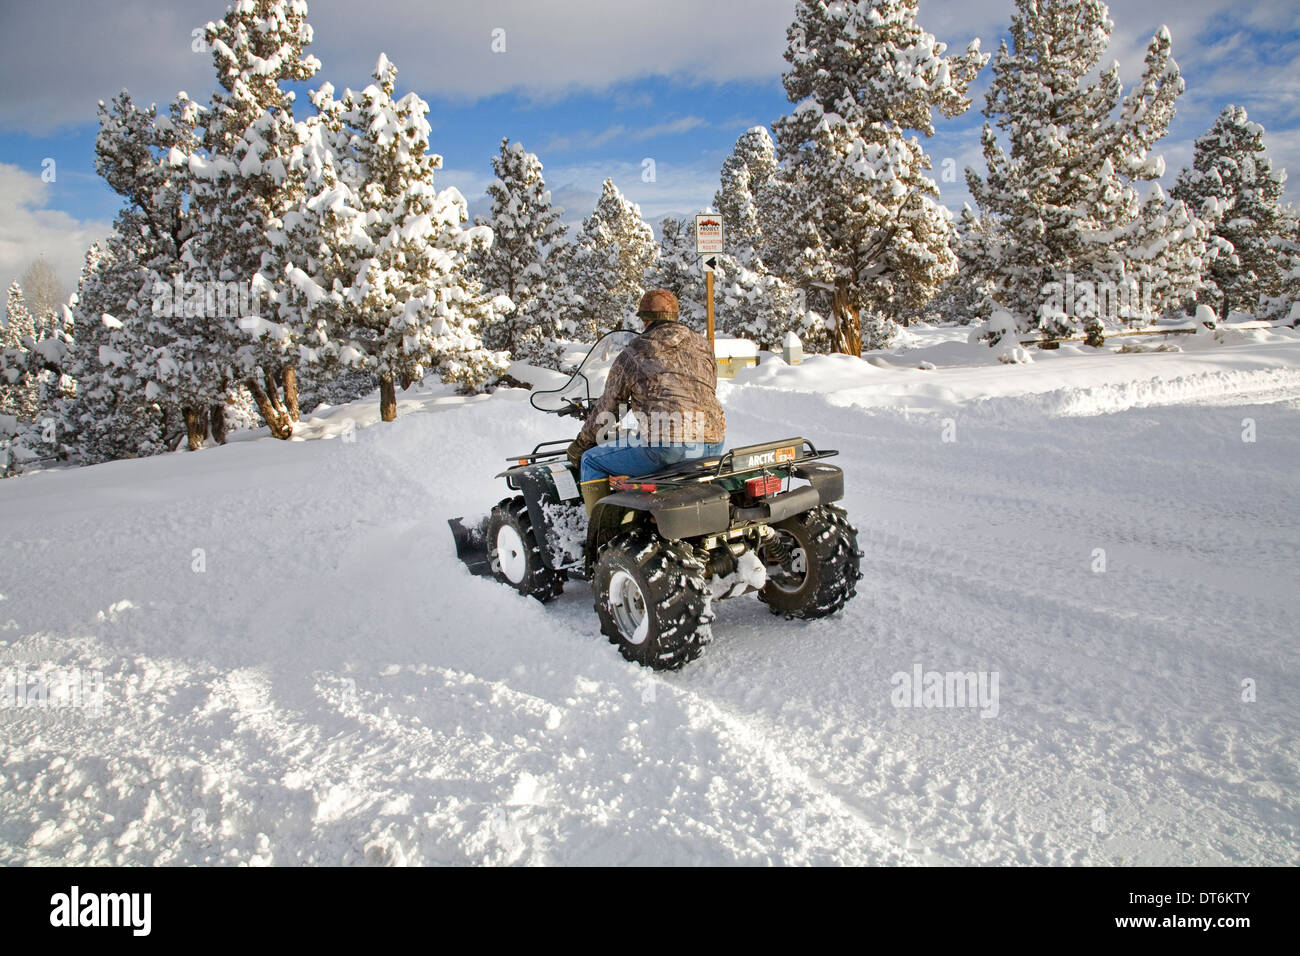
[586,140]
[28,229]
[60,58]
[441,49]
[676,187]
[672,128]
[583,140]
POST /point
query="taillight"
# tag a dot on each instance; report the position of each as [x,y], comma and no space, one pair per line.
[623,484]
[763,485]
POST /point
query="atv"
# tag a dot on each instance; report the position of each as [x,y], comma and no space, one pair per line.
[661,548]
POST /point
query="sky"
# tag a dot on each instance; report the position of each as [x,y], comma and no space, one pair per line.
[652,95]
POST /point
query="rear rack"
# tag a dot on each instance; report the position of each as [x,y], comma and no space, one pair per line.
[697,470]
[711,469]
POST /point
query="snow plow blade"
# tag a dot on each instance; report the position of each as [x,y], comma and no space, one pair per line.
[471,546]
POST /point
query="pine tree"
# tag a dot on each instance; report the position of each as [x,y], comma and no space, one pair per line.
[34,358]
[614,250]
[119,410]
[1166,252]
[396,296]
[765,308]
[747,196]
[526,229]
[1055,204]
[864,74]
[755,302]
[967,297]
[149,160]
[1232,186]
[251,179]
[19,391]
[1285,306]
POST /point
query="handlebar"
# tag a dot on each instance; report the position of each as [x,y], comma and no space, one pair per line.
[574,409]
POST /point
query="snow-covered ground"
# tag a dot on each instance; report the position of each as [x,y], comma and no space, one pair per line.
[296,669]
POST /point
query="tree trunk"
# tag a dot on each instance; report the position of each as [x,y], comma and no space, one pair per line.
[848,324]
[217,413]
[407,381]
[196,427]
[387,399]
[276,419]
[273,391]
[289,375]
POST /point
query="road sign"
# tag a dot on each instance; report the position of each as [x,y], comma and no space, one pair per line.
[708,233]
[710,263]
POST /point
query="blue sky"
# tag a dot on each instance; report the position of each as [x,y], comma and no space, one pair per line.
[596,91]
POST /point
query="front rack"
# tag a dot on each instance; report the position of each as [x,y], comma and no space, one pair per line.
[537,451]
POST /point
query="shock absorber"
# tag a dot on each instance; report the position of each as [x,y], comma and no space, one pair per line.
[774,547]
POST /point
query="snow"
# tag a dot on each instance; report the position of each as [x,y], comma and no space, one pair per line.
[297,670]
[734,348]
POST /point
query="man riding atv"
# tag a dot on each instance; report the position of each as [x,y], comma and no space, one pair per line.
[668,377]
[689,525]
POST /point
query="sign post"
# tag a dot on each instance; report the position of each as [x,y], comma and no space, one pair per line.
[708,243]
[708,300]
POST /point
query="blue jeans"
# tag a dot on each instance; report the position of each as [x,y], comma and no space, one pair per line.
[620,458]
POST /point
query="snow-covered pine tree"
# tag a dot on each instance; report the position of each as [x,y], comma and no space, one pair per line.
[19,390]
[149,160]
[1233,186]
[251,179]
[613,251]
[677,269]
[754,301]
[1165,252]
[119,410]
[967,297]
[864,74]
[746,195]
[312,260]
[526,228]
[34,358]
[409,304]
[1285,306]
[764,308]
[1057,203]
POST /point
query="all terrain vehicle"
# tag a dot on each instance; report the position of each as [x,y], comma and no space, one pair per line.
[661,548]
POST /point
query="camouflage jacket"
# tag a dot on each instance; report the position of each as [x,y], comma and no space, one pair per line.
[668,378]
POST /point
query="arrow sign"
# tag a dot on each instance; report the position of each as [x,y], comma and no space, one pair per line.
[710,263]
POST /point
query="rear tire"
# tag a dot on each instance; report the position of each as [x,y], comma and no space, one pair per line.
[824,569]
[652,599]
[515,554]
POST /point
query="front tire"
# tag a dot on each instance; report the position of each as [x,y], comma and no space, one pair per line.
[652,600]
[822,564]
[516,556]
